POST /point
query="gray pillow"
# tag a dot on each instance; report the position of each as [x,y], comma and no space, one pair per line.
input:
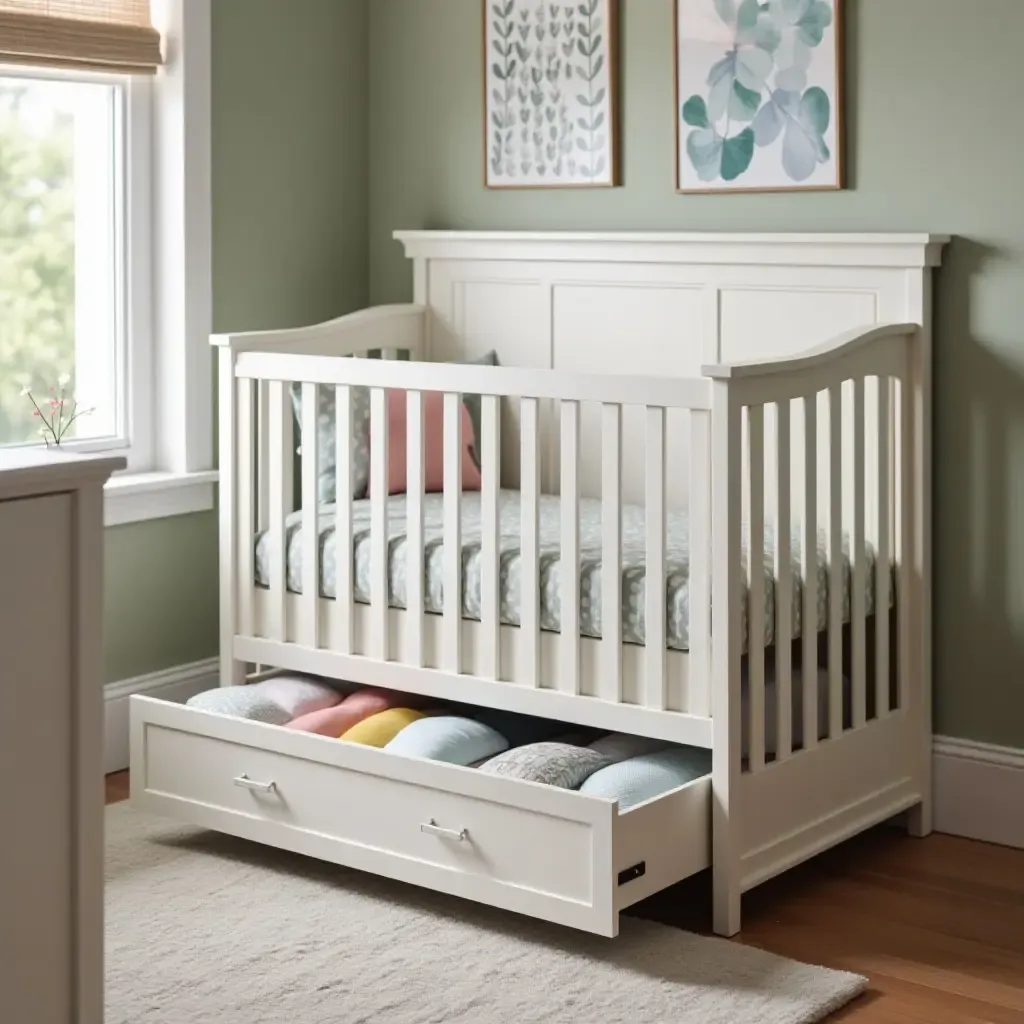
[327,460]
[620,746]
[554,764]
[327,433]
[241,702]
[474,403]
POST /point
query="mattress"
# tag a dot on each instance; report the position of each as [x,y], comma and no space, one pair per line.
[633,565]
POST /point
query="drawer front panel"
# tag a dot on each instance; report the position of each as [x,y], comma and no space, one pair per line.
[505,844]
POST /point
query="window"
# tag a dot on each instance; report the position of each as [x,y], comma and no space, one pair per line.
[103,334]
[71,327]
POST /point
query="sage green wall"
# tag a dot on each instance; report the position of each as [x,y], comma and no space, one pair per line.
[289,247]
[934,145]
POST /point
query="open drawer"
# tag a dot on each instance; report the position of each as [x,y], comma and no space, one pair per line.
[535,849]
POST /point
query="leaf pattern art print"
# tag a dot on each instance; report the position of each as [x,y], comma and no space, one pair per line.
[550,81]
[758,95]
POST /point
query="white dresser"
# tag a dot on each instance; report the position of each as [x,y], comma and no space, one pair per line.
[51,720]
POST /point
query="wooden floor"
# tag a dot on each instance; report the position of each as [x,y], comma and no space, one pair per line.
[936,924]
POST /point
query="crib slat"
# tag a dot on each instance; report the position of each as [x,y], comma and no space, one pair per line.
[611,553]
[343,604]
[529,590]
[699,630]
[263,455]
[379,523]
[809,568]
[453,532]
[654,611]
[246,523]
[280,452]
[835,563]
[883,545]
[905,476]
[490,524]
[569,640]
[310,518]
[756,588]
[858,602]
[783,587]
[414,523]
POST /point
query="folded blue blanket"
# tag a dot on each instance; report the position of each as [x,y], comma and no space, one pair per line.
[641,778]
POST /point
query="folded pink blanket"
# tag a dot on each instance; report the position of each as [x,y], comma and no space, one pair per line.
[352,710]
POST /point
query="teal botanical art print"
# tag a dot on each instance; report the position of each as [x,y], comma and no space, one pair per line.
[550,93]
[758,95]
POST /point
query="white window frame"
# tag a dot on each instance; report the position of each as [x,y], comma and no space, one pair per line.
[166,430]
[133,255]
[166,426]
[176,384]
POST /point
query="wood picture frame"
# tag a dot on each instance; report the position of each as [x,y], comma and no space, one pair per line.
[551,94]
[775,69]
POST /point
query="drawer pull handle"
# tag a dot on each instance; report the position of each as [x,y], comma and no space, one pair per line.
[260,787]
[433,829]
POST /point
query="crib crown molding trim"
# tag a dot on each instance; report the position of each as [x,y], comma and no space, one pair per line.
[909,250]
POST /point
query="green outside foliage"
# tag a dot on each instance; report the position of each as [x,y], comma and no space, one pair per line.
[37,261]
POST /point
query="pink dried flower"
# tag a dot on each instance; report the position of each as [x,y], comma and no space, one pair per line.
[57,424]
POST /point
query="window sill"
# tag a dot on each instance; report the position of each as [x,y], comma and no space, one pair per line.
[136,497]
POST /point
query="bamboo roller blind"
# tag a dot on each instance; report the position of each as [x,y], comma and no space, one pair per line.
[93,35]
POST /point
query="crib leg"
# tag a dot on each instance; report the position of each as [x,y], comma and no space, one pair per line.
[919,818]
[727,901]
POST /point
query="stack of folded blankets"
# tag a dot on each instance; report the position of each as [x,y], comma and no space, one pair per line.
[626,768]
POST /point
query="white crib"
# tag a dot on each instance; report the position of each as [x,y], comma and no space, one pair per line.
[743,381]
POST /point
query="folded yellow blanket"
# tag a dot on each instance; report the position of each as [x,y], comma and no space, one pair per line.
[380,729]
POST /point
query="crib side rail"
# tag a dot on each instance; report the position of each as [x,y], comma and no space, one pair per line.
[498,381]
[572,662]
[816,455]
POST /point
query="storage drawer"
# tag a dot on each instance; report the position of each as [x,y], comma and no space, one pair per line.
[523,846]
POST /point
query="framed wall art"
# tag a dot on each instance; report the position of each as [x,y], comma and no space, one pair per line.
[550,89]
[758,95]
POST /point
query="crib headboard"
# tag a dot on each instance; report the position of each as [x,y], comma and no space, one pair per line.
[655,303]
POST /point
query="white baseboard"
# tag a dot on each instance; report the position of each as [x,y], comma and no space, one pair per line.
[176,684]
[979,791]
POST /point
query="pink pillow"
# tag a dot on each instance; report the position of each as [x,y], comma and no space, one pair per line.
[433,447]
[352,710]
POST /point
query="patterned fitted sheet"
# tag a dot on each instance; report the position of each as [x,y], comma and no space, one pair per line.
[634,624]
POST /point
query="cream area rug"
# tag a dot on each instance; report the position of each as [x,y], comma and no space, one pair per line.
[207,929]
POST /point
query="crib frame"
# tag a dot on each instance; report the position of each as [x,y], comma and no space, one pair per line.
[768,814]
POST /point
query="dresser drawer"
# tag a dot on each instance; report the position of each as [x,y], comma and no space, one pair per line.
[526,847]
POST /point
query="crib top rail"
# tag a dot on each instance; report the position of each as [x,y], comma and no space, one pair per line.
[390,326]
[843,347]
[504,381]
[880,350]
